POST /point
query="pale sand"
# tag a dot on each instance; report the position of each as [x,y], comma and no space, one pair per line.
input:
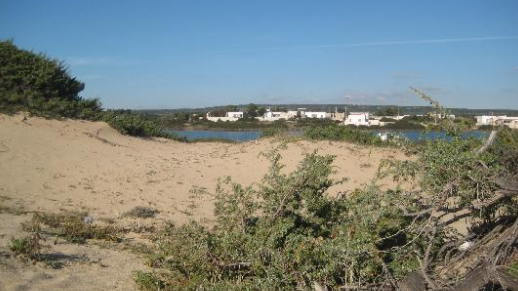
[51,165]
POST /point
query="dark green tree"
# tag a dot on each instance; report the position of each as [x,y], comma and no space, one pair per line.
[41,85]
[261,111]
[251,110]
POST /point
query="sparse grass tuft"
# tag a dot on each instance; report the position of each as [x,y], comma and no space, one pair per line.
[27,247]
[141,212]
[513,269]
[15,210]
[73,227]
[56,220]
[149,281]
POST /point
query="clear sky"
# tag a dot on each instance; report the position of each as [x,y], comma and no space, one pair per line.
[173,54]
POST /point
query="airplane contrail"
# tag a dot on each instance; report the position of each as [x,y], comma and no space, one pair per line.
[396,42]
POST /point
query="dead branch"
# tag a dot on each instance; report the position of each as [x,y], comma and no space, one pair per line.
[488,143]
[425,263]
[485,274]
[412,282]
[499,196]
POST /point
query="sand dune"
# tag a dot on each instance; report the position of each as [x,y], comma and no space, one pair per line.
[51,165]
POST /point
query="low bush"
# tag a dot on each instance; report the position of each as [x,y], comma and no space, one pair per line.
[342,133]
[148,281]
[76,227]
[28,247]
[137,125]
[291,238]
[273,132]
[406,124]
[141,212]
[486,127]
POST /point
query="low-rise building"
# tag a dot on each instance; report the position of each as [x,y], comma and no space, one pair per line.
[357,118]
[236,114]
[291,114]
[488,119]
[315,114]
[337,116]
[229,116]
[509,121]
[273,115]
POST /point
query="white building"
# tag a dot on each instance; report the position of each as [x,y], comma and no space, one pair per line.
[511,122]
[488,119]
[273,115]
[291,114]
[314,114]
[338,116]
[357,118]
[236,114]
[229,116]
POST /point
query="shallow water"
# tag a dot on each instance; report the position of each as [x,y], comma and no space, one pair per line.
[240,136]
[207,134]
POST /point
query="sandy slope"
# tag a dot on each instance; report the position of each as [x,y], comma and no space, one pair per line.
[54,165]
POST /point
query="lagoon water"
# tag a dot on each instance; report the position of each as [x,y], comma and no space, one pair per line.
[228,135]
[240,136]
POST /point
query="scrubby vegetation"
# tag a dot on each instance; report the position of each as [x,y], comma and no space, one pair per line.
[287,233]
[279,128]
[74,227]
[408,123]
[336,132]
[28,247]
[141,212]
[136,125]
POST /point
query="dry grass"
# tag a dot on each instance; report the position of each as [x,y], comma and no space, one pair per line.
[141,212]
[75,227]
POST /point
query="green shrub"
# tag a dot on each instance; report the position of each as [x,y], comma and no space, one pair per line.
[407,123]
[287,233]
[137,125]
[28,247]
[486,127]
[387,119]
[273,132]
[148,281]
[41,86]
[342,133]
[284,234]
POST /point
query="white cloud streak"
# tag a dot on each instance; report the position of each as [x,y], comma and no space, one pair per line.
[397,42]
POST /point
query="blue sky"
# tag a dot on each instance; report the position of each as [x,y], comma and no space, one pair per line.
[173,54]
